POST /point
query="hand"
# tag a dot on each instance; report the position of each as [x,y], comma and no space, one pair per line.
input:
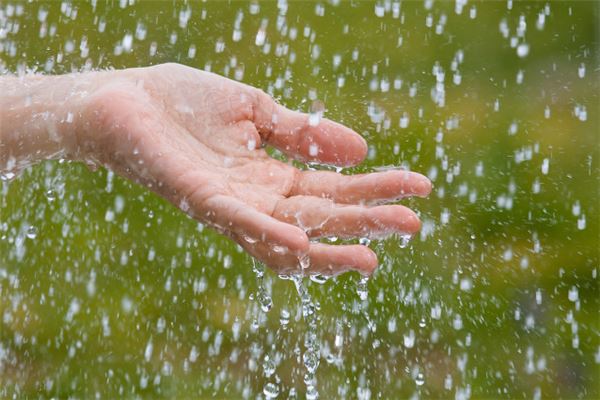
[197,139]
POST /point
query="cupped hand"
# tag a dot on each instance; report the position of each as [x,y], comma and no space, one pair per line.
[198,140]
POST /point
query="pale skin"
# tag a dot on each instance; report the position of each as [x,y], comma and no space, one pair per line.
[197,139]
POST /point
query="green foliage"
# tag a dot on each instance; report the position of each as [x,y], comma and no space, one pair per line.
[502,299]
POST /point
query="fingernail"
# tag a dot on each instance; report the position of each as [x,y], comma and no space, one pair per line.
[412,223]
[424,187]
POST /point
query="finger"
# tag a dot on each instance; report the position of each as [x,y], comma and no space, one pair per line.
[365,188]
[282,262]
[334,260]
[229,214]
[321,217]
[293,133]
[323,259]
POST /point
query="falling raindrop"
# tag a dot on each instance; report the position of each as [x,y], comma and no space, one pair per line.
[32,232]
[581,70]
[573,294]
[284,318]
[361,288]
[404,241]
[318,278]
[316,113]
[89,260]
[271,390]
[420,379]
[523,50]
[268,366]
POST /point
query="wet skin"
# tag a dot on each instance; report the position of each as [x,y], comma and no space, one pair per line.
[198,139]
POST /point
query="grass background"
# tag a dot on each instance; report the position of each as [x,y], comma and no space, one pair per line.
[499,291]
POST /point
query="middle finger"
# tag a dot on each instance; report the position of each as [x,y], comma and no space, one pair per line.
[370,188]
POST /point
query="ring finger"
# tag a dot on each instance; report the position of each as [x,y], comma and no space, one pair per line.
[320,217]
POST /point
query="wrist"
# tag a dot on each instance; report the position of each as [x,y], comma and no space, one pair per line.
[40,116]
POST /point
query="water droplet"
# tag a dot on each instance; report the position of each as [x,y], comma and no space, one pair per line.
[361,288]
[538,297]
[339,340]
[541,20]
[50,195]
[271,390]
[312,393]
[536,186]
[581,112]
[545,166]
[219,46]
[191,51]
[152,49]
[127,42]
[448,382]
[7,176]
[32,232]
[457,78]
[265,301]
[466,284]
[581,223]
[194,353]
[445,216]
[317,108]
[148,351]
[268,366]
[309,378]
[404,241]
[261,36]
[284,317]
[576,208]
[420,379]
[409,339]
[365,241]
[523,50]
[457,323]
[520,76]
[254,8]
[473,12]
[573,294]
[581,70]
[311,360]
[318,278]
[404,120]
[304,262]
[249,239]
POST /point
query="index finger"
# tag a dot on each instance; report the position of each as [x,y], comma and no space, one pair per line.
[307,139]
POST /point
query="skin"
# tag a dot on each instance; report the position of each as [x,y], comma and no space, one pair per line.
[197,139]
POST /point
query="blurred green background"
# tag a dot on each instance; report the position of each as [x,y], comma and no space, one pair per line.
[108,291]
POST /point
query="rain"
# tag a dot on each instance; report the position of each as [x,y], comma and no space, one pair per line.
[109,291]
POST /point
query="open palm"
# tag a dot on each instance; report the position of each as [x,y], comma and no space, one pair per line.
[197,139]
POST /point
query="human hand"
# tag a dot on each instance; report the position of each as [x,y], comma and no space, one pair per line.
[197,139]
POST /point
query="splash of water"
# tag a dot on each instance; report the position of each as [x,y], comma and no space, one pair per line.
[264,299]
[312,351]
